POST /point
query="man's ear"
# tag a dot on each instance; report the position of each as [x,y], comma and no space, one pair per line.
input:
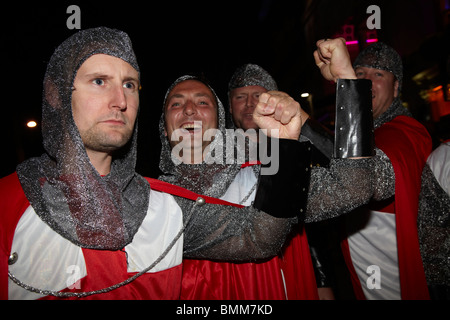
[51,93]
[165,132]
[396,85]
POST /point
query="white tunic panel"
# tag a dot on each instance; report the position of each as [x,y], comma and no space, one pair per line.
[373,250]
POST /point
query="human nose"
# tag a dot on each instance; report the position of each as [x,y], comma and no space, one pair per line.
[189,108]
[251,102]
[119,99]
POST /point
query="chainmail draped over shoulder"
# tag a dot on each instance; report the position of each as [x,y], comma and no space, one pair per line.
[62,186]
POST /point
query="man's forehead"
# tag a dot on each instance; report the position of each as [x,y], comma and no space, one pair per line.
[190,87]
[370,69]
[248,89]
[98,62]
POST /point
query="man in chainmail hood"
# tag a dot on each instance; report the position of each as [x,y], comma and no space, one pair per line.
[248,75]
[346,185]
[384,234]
[247,83]
[79,218]
[257,225]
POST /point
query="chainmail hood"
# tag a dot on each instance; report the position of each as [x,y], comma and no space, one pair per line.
[252,75]
[207,179]
[249,75]
[62,186]
[381,56]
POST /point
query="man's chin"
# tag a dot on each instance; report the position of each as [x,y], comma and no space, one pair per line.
[247,125]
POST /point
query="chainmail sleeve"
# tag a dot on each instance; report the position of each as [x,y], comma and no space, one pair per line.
[226,233]
[433,224]
[348,184]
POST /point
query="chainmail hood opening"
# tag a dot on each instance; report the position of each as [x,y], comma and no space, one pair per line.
[381,56]
[252,75]
[62,186]
[249,75]
[207,179]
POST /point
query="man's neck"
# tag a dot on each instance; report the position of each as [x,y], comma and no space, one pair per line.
[101,161]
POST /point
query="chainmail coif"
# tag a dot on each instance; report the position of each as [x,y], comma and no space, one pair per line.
[212,181]
[383,57]
[62,186]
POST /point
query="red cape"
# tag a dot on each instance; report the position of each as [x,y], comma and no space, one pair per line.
[13,204]
[208,280]
[407,144]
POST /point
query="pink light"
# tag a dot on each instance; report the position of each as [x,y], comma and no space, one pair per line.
[356,41]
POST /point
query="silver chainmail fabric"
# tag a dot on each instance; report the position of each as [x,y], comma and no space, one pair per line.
[62,186]
[381,56]
[217,232]
[252,75]
[433,224]
[249,75]
[348,184]
[194,176]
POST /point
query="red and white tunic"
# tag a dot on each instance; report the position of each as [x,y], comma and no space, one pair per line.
[46,260]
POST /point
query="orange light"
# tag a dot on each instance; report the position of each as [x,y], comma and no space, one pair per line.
[31,124]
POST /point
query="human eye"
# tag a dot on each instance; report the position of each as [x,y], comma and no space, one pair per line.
[130,85]
[174,104]
[98,82]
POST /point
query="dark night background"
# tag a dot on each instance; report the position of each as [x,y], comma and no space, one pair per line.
[214,38]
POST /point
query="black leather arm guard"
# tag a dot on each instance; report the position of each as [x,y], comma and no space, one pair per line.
[284,194]
[354,119]
[319,137]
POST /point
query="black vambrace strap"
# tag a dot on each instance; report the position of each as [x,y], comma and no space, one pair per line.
[284,194]
[354,119]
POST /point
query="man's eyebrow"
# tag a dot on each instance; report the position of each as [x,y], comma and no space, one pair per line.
[175,95]
[106,76]
[97,75]
[203,94]
[180,95]
[132,79]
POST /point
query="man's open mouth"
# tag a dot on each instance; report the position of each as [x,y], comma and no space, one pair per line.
[192,126]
